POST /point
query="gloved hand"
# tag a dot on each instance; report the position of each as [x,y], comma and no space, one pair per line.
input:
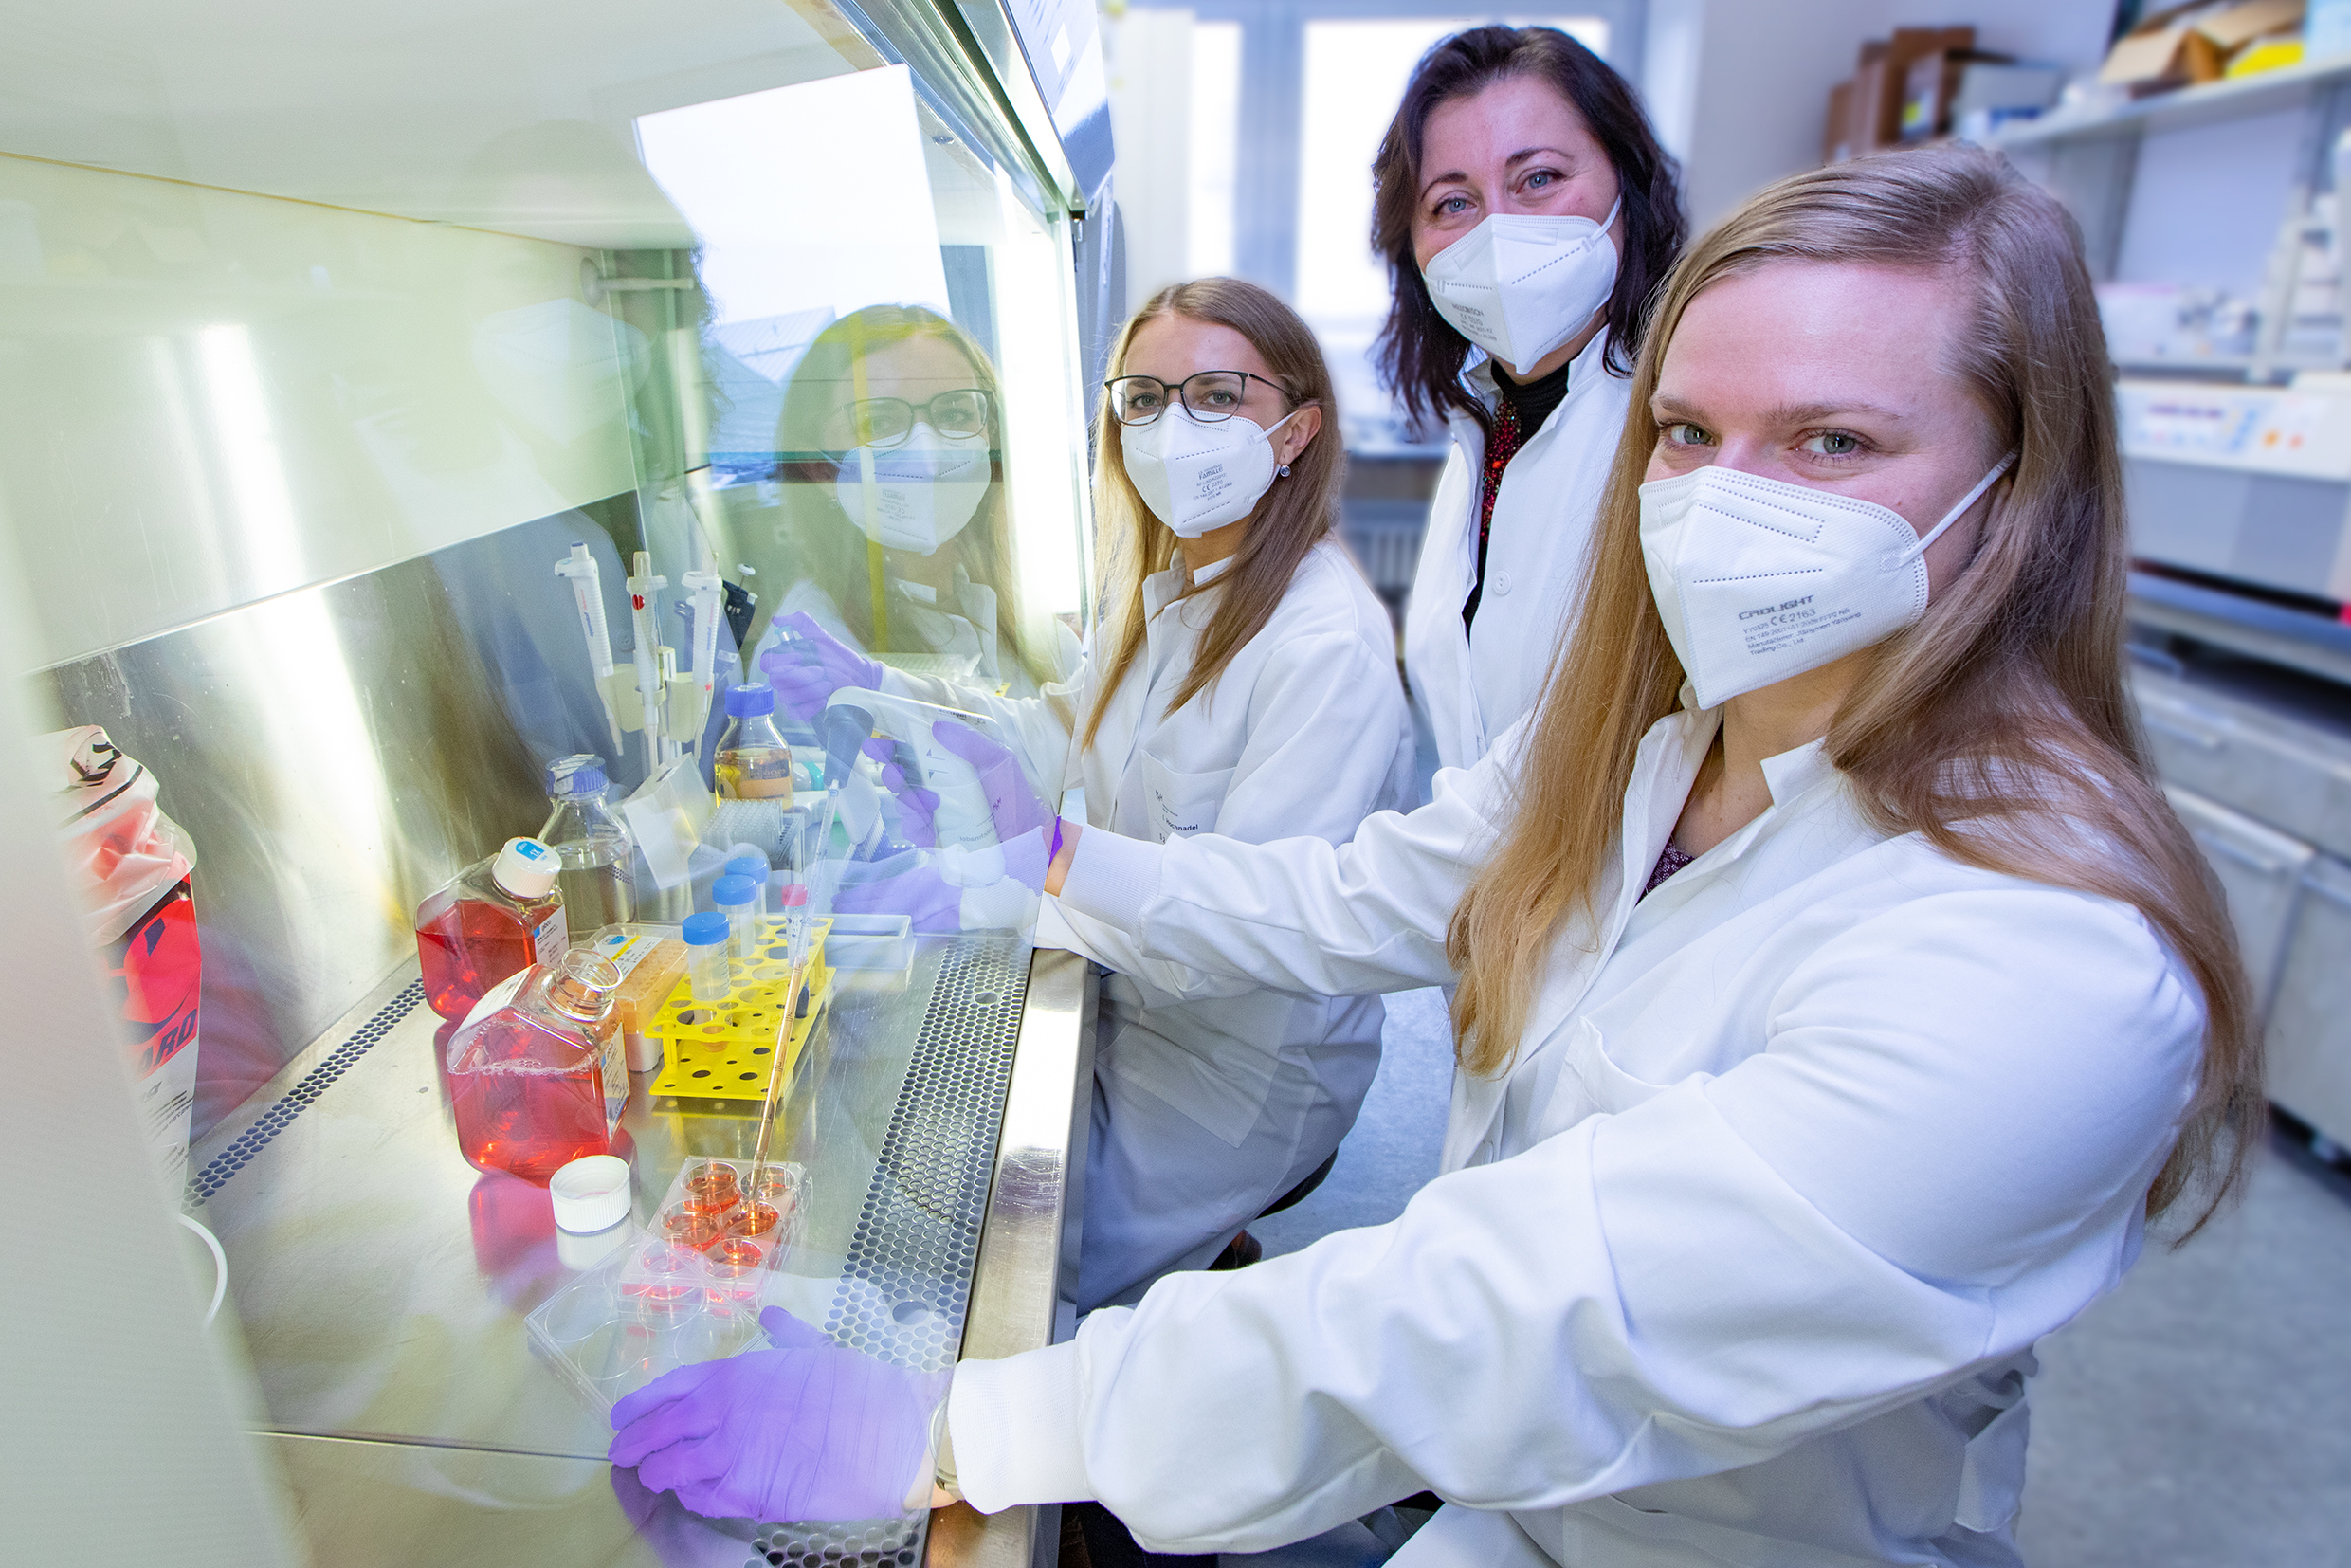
[808,1431]
[1011,801]
[809,668]
[917,808]
[954,889]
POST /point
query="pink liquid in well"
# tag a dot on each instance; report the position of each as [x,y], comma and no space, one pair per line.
[520,1113]
[466,946]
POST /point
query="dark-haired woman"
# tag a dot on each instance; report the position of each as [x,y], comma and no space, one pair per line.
[1528,214]
[1243,683]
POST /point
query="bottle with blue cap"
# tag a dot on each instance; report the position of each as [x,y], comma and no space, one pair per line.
[597,851]
[709,976]
[753,760]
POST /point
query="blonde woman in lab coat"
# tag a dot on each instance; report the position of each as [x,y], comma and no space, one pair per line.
[1527,215]
[1799,1096]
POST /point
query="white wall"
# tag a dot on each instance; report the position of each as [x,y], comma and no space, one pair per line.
[1739,88]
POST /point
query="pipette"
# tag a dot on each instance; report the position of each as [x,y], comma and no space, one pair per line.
[704,592]
[588,592]
[643,584]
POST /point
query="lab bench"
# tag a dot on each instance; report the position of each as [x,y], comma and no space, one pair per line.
[381,1283]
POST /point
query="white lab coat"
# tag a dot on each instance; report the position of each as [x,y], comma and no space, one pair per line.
[1212,1095]
[1740,1260]
[1470,686]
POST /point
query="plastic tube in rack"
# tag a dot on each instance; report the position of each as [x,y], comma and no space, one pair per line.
[588,594]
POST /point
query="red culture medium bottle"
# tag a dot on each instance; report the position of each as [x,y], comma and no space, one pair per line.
[496,917]
[537,1076]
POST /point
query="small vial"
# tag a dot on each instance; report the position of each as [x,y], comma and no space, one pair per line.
[737,898]
[753,866]
[708,975]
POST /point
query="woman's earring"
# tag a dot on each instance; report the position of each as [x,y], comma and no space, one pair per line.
[1283,472]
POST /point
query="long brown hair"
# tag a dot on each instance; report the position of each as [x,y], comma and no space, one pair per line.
[1997,728]
[821,543]
[1420,354]
[1296,512]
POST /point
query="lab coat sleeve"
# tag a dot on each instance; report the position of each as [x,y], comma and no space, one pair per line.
[1939,1156]
[1301,914]
[1326,721]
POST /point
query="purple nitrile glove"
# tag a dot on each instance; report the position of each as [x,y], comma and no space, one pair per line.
[809,668]
[954,889]
[808,1431]
[914,889]
[1011,801]
[917,808]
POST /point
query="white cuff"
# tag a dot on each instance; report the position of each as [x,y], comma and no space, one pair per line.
[1014,1425]
[1111,878]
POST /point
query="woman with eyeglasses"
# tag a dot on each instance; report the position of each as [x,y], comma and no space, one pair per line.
[894,538]
[1243,681]
[1528,214]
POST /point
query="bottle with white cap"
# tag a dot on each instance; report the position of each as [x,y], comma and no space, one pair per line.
[496,917]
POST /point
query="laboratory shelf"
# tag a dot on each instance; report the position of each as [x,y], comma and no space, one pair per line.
[2215,100]
[2293,638]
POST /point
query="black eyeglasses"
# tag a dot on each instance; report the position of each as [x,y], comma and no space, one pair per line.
[887,421]
[1209,396]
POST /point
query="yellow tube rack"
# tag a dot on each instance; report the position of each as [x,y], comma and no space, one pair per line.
[727,1051]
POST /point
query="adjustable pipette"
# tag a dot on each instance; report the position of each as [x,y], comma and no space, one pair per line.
[588,592]
[643,585]
[704,591]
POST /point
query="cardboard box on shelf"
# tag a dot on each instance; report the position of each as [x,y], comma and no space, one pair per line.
[1836,137]
[2186,46]
[1872,115]
[1931,92]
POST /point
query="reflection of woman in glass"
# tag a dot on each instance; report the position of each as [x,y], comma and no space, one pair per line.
[895,536]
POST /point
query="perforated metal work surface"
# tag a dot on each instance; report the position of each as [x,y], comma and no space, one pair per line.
[222,1166]
[908,1276]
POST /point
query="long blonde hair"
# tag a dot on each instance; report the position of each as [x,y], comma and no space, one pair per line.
[1996,727]
[1296,513]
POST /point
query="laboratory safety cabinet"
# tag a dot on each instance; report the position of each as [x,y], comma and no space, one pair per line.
[402,405]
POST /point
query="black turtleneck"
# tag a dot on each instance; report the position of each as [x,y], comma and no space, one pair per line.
[1533,402]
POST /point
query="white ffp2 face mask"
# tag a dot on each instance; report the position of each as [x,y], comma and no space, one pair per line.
[1195,475]
[1517,286]
[917,495]
[1757,579]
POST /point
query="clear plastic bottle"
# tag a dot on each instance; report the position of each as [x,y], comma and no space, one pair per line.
[753,865]
[737,898]
[597,851]
[709,977]
[752,761]
[540,1079]
[494,918]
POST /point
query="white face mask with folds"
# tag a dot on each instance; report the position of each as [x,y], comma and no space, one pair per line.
[1517,286]
[1197,475]
[917,495]
[1757,579]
